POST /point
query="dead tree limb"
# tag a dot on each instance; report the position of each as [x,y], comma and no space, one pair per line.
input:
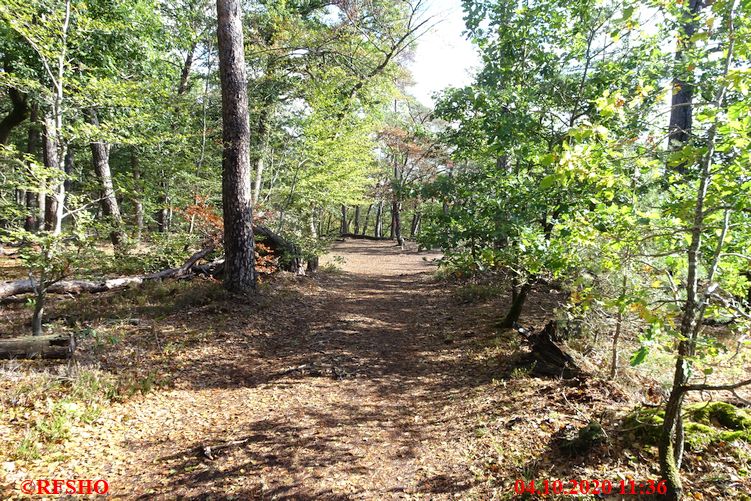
[289,253]
[16,287]
[54,346]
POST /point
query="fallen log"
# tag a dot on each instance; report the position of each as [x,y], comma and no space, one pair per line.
[53,346]
[547,358]
[16,287]
[289,254]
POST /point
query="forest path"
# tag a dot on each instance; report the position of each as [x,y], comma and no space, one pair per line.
[352,391]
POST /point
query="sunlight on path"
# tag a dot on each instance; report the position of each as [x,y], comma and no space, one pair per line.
[367,257]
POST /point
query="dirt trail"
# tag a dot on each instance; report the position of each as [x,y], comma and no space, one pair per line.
[350,392]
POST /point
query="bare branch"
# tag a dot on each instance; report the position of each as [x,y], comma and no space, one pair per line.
[718,387]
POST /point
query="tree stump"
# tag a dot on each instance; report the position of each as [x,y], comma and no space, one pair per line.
[546,356]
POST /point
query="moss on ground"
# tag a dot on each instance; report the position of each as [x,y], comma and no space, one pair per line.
[705,423]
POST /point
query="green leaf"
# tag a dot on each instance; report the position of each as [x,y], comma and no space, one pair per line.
[639,356]
[548,181]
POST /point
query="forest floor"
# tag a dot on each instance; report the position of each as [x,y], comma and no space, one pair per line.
[372,380]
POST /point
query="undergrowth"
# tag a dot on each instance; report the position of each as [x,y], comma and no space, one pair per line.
[41,408]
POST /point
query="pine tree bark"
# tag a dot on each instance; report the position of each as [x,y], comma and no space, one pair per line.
[237,203]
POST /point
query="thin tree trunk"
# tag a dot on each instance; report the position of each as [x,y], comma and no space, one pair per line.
[32,146]
[344,224]
[55,200]
[182,88]
[312,224]
[162,213]
[55,145]
[356,229]
[519,295]
[100,154]
[415,224]
[38,316]
[42,205]
[671,443]
[69,167]
[258,155]
[239,248]
[138,193]
[396,229]
[367,219]
[378,230]
[21,197]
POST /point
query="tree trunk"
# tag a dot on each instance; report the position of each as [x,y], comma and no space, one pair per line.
[367,219]
[681,112]
[392,232]
[182,88]
[54,143]
[312,265]
[42,205]
[162,213]
[239,248]
[415,224]
[69,166]
[32,146]
[356,229]
[614,347]
[38,316]
[396,230]
[378,230]
[671,439]
[138,193]
[54,206]
[344,224]
[312,223]
[518,298]
[18,113]
[100,154]
[328,223]
[259,151]
[21,197]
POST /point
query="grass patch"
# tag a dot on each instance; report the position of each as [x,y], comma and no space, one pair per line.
[478,293]
[41,409]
